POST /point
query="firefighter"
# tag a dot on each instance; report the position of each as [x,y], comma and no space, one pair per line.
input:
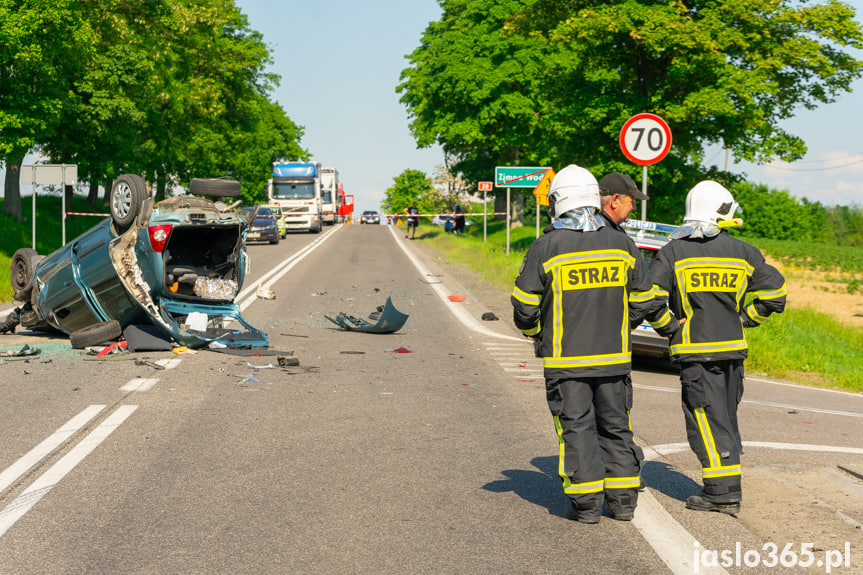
[579,287]
[707,275]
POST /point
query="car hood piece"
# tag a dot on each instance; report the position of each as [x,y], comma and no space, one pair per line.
[391,320]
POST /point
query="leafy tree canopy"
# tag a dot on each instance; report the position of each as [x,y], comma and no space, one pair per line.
[408,187]
[545,82]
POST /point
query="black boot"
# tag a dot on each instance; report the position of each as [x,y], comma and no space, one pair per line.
[699,503]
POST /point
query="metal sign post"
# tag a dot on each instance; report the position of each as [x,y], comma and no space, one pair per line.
[516,177]
[645,140]
[485,187]
[51,175]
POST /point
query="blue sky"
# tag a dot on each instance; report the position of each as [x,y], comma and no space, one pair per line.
[340,60]
[354,121]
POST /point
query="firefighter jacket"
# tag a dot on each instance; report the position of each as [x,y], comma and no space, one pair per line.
[707,280]
[577,292]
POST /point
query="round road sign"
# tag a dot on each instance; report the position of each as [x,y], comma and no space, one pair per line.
[645,139]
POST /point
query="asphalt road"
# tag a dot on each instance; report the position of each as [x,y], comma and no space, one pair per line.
[365,460]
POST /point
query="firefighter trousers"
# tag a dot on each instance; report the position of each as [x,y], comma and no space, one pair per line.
[711,392]
[597,458]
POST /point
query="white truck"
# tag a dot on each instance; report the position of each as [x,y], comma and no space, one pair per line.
[329,195]
[296,187]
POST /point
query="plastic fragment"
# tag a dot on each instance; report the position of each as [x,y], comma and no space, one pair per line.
[399,350]
[457,297]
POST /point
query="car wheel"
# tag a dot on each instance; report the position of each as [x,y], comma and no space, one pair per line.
[215,188]
[127,196]
[96,334]
[275,241]
[22,271]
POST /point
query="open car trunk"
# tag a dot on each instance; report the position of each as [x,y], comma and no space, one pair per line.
[201,262]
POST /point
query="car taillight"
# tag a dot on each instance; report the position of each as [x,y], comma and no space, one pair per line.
[159,236]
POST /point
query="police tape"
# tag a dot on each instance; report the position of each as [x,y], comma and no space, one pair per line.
[83,214]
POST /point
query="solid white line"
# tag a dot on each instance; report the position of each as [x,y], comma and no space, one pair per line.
[669,448]
[39,488]
[672,543]
[807,387]
[281,269]
[140,384]
[764,403]
[457,310]
[53,441]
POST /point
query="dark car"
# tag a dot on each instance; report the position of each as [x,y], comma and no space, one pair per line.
[370,217]
[649,237]
[264,227]
[177,264]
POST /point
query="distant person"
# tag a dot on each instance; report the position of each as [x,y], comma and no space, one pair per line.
[707,274]
[413,220]
[458,221]
[580,285]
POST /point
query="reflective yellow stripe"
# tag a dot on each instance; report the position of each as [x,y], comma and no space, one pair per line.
[642,296]
[662,321]
[557,314]
[721,471]
[526,298]
[753,314]
[532,331]
[659,291]
[593,256]
[622,482]
[772,294]
[589,487]
[707,437]
[586,361]
[710,347]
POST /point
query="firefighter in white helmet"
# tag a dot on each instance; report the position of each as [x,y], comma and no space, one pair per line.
[580,289]
[707,274]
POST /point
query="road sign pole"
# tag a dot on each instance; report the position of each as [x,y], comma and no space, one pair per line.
[644,191]
[484,216]
[507,221]
[33,188]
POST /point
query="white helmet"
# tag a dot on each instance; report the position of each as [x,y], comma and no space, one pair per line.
[573,187]
[710,202]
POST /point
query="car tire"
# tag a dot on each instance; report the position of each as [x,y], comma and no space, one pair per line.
[22,271]
[215,188]
[275,241]
[96,334]
[128,194]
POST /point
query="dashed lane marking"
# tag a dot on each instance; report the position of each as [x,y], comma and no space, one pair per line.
[140,384]
[55,440]
[39,488]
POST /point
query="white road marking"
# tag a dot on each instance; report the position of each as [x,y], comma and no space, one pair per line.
[169,363]
[140,384]
[764,403]
[280,270]
[672,543]
[457,310]
[53,441]
[39,488]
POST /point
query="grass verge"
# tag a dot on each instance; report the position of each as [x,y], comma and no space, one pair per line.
[800,345]
[49,231]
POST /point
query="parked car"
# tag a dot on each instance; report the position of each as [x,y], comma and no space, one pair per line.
[275,212]
[370,217]
[649,237]
[442,221]
[263,227]
[177,264]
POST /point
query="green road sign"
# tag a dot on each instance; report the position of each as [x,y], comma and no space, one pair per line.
[518,176]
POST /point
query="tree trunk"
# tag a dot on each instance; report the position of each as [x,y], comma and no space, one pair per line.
[106,199]
[12,187]
[69,191]
[93,195]
[516,200]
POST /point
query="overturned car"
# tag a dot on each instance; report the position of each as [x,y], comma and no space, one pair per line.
[177,264]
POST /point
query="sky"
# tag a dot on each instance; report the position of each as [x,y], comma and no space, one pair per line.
[340,61]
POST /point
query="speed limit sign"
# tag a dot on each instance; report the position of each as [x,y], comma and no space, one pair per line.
[645,139]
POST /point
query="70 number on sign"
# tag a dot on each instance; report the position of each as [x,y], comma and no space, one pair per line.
[645,139]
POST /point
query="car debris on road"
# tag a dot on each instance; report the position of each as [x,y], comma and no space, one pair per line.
[389,321]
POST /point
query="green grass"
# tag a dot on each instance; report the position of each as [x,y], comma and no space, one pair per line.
[48,231]
[814,256]
[799,345]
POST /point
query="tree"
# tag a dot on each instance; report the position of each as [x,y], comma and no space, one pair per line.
[43,45]
[408,187]
[533,82]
